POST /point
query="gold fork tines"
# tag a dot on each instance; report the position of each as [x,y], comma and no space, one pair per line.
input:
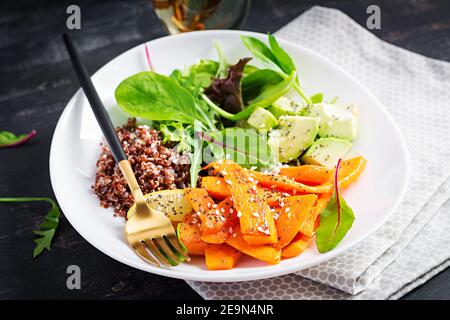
[149,232]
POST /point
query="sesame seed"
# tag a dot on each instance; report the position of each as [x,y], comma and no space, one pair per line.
[255,214]
[239,214]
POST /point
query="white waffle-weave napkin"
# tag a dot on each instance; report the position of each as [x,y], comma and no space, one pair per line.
[413,245]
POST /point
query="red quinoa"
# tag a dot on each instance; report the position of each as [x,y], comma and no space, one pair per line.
[157,167]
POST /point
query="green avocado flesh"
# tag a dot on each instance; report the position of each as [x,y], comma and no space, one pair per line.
[293,136]
[326,152]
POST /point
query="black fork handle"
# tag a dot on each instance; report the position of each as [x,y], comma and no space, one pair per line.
[94,100]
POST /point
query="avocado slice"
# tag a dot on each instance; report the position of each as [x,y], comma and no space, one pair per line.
[262,119]
[293,136]
[281,107]
[338,121]
[326,152]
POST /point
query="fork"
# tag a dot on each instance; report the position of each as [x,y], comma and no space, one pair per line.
[149,232]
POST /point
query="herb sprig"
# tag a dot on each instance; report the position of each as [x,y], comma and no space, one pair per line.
[46,230]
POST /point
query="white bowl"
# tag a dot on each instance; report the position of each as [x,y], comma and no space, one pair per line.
[75,148]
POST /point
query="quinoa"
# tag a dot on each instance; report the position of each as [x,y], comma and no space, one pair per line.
[156,166]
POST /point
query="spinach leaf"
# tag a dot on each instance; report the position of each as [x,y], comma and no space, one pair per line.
[246,147]
[47,228]
[156,97]
[254,83]
[274,58]
[249,69]
[335,220]
[266,98]
[9,139]
[226,93]
[284,60]
[261,52]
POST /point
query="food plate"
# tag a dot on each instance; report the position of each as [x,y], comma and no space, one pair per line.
[75,149]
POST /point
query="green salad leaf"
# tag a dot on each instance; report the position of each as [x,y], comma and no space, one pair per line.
[9,139]
[176,132]
[47,228]
[261,52]
[257,81]
[244,146]
[196,157]
[335,220]
[197,75]
[222,70]
[266,98]
[275,58]
[283,60]
[153,96]
[317,98]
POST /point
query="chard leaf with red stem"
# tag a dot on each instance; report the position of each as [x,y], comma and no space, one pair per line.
[335,221]
[9,139]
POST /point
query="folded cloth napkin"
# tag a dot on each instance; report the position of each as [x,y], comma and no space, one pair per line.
[413,245]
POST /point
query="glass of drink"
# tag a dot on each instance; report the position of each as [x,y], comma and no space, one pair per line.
[190,15]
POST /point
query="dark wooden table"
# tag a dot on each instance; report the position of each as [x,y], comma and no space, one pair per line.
[36,81]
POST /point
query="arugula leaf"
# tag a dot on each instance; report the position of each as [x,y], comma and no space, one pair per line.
[226,93]
[47,228]
[266,98]
[176,132]
[9,139]
[198,75]
[246,147]
[317,98]
[222,69]
[196,156]
[156,97]
[335,220]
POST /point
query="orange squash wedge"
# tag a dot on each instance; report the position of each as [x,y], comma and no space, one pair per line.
[308,227]
[190,235]
[293,215]
[255,218]
[266,253]
[299,244]
[221,257]
[308,174]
